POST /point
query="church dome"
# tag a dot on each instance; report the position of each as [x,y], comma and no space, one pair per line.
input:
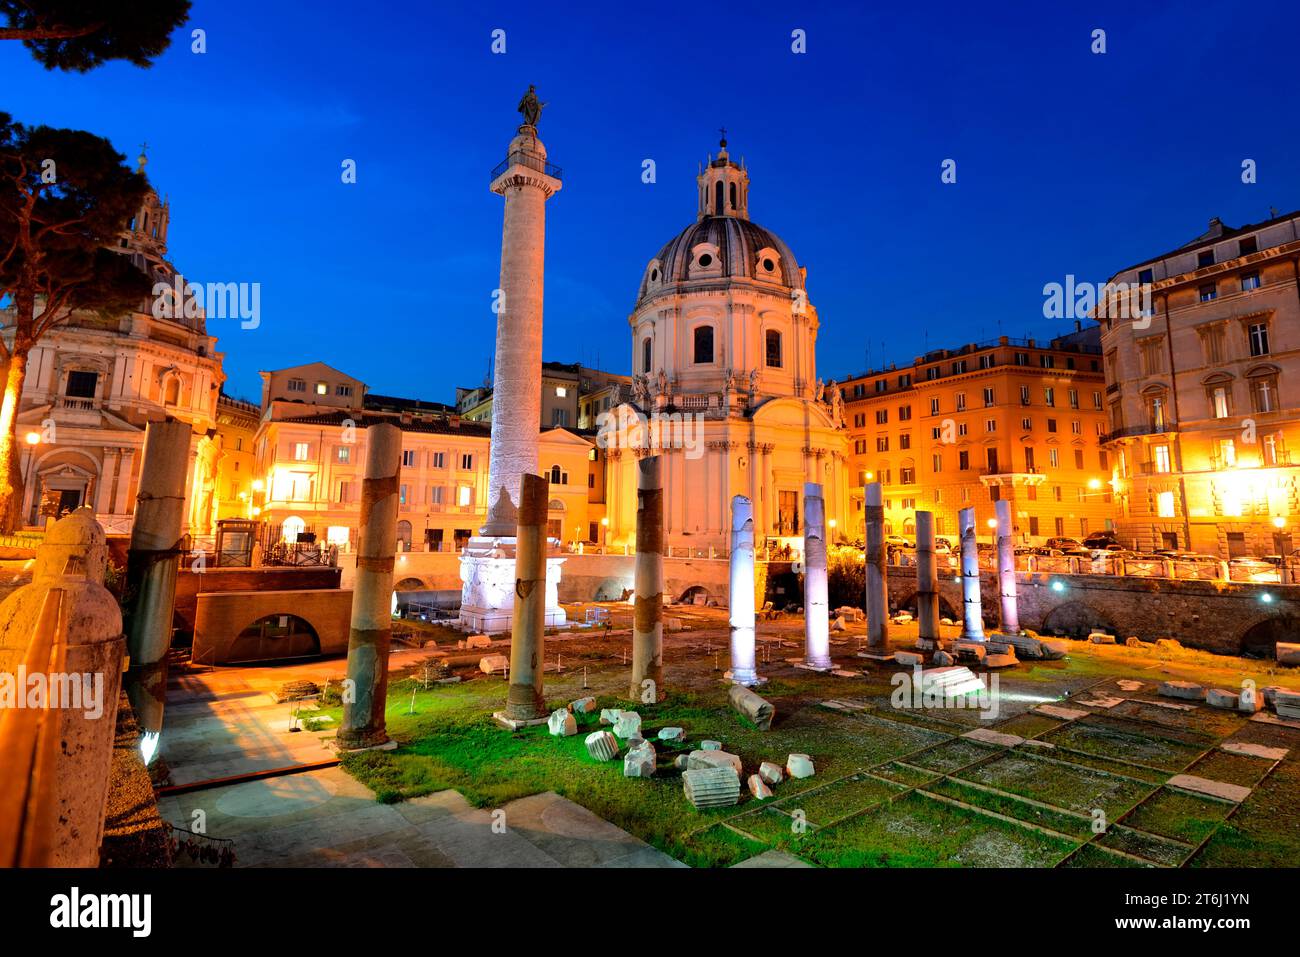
[743,249]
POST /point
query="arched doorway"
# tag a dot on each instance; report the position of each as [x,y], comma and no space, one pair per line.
[403,536]
[1260,640]
[275,638]
[292,527]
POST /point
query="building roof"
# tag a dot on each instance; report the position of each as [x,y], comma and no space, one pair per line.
[391,403]
[739,242]
[438,425]
[1217,232]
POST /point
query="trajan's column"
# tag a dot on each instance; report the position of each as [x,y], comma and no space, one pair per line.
[487,571]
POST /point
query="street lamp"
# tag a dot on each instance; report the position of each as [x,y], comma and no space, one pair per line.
[33,439]
[992,523]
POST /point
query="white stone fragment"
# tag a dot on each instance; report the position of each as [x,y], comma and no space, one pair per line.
[561,723]
[583,705]
[770,773]
[674,735]
[609,715]
[799,766]
[713,759]
[493,664]
[602,745]
[628,724]
[1187,690]
[758,787]
[640,761]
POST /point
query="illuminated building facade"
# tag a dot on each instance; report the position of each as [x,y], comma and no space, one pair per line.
[1014,420]
[1204,394]
[310,454]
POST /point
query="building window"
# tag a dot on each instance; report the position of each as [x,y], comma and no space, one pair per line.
[438,460]
[296,385]
[963,461]
[1021,358]
[1078,459]
[934,405]
[904,413]
[703,344]
[1263,392]
[1049,396]
[1219,396]
[882,443]
[990,425]
[961,401]
[1054,458]
[1227,454]
[1160,455]
[344,390]
[322,388]
[1153,355]
[1209,292]
[467,461]
[1248,245]
[343,453]
[988,398]
[1024,395]
[465,496]
[1205,258]
[559,476]
[905,440]
[1046,361]
[645,355]
[1257,333]
[907,476]
[1157,413]
[1051,425]
[772,340]
[937,462]
[81,384]
[1027,424]
[1074,398]
[1165,505]
[560,418]
[408,458]
[300,451]
[882,416]
[1249,281]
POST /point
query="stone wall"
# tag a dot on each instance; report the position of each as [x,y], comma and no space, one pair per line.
[221,616]
[1224,617]
[268,578]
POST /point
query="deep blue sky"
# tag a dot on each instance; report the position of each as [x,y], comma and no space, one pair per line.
[1068,162]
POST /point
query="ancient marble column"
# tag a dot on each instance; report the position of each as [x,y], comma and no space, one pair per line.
[648,583]
[740,600]
[1007,569]
[972,614]
[816,603]
[369,639]
[927,579]
[526,183]
[877,597]
[524,700]
[151,564]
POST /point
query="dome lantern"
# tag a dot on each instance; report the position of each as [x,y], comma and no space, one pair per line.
[723,186]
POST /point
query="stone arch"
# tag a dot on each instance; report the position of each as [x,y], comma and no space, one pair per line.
[611,589]
[1074,619]
[1259,639]
[908,603]
[689,595]
[274,637]
[410,583]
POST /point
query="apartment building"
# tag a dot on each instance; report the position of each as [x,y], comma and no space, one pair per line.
[1204,394]
[1012,419]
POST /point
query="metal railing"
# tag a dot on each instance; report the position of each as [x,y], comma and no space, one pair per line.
[531,161]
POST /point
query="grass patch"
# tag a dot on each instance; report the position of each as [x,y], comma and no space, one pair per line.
[1011,807]
[1126,741]
[1231,768]
[905,774]
[916,831]
[1158,850]
[1073,788]
[1090,855]
[1183,817]
[839,799]
[951,755]
[1265,831]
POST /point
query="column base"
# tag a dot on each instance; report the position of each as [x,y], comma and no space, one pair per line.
[876,655]
[487,597]
[806,665]
[514,724]
[346,748]
[749,679]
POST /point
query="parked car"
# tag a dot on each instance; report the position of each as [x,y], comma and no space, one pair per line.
[1063,543]
[942,544]
[898,541]
[1100,540]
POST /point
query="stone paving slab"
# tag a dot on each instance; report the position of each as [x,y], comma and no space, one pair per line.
[325,818]
[989,736]
[773,859]
[1255,750]
[1219,789]
[1065,714]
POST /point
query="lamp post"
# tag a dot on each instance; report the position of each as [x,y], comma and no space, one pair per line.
[32,439]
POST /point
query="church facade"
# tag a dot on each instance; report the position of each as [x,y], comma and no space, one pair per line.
[725,386]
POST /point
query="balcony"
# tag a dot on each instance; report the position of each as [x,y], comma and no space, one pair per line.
[1135,430]
[529,160]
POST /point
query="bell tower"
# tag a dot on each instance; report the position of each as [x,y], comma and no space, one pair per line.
[724,186]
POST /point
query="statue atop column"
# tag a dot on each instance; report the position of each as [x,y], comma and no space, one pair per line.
[530,107]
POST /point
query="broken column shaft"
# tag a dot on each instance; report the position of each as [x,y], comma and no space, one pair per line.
[972,613]
[370,636]
[816,610]
[927,579]
[877,597]
[151,564]
[524,701]
[741,596]
[648,584]
[1007,569]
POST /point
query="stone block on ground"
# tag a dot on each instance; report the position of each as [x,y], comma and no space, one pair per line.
[711,787]
[640,761]
[1187,690]
[609,715]
[627,724]
[1219,789]
[1000,661]
[478,641]
[672,624]
[1168,644]
[970,649]
[908,659]
[799,766]
[941,659]
[1219,698]
[493,664]
[1054,650]
[602,745]
[583,705]
[713,759]
[681,761]
[296,690]
[1255,750]
[1132,642]
[1288,653]
[1101,638]
[1287,703]
[771,773]
[838,624]
[989,736]
[758,710]
[562,723]
[1057,711]
[1250,701]
[672,735]
[710,745]
[758,787]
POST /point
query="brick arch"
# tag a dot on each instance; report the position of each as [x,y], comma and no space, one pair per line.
[1074,619]
[690,591]
[906,601]
[1260,637]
